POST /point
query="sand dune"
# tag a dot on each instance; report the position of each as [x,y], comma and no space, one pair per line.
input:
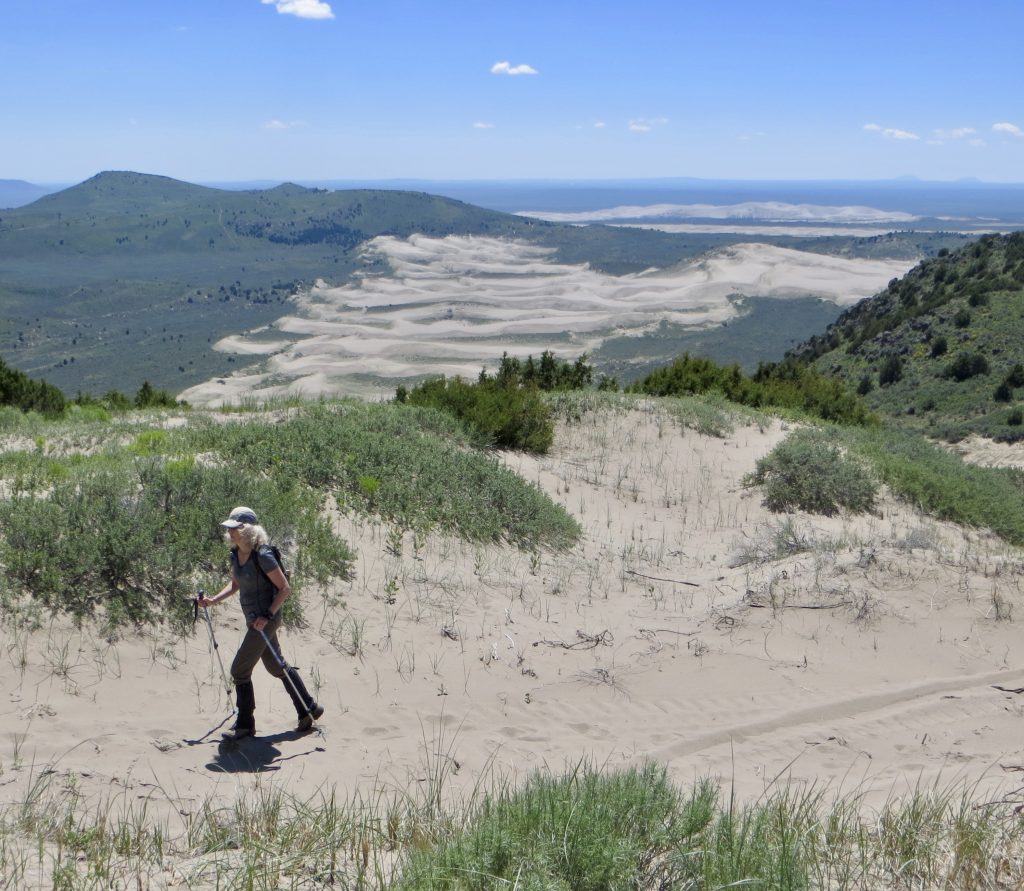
[869,657]
[763,211]
[450,305]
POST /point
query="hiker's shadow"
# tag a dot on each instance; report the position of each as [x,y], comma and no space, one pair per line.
[253,754]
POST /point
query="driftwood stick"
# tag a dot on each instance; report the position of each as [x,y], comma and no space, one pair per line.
[838,603]
[667,631]
[655,578]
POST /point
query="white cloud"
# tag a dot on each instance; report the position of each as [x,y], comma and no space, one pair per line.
[275,124]
[978,143]
[1004,127]
[304,9]
[506,67]
[645,125]
[599,125]
[956,133]
[482,125]
[891,132]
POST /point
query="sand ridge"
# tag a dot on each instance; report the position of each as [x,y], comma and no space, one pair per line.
[451,305]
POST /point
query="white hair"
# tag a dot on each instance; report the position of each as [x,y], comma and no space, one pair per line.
[253,535]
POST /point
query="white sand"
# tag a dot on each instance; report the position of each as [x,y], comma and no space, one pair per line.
[867,660]
[451,305]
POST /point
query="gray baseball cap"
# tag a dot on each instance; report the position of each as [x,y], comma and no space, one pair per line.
[240,516]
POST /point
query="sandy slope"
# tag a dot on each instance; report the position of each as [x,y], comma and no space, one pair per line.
[867,660]
[450,305]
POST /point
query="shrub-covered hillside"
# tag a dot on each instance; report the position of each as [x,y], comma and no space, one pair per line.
[941,347]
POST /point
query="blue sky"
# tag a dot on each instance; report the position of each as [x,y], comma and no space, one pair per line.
[213,90]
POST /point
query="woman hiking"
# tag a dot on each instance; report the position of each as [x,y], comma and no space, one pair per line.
[263,588]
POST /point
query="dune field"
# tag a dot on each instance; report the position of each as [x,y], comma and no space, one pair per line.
[866,654]
[451,305]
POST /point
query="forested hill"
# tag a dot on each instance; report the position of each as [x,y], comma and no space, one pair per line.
[943,347]
[129,213]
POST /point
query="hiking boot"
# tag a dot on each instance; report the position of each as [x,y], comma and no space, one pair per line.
[245,699]
[237,732]
[305,706]
[306,721]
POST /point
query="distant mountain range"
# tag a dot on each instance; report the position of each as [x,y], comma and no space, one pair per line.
[17,192]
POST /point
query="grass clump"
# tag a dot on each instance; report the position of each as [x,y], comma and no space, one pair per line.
[942,484]
[809,472]
[583,831]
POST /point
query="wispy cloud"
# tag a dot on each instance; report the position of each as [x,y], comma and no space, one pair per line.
[275,124]
[1004,127]
[482,125]
[645,125]
[891,132]
[956,133]
[507,67]
[304,9]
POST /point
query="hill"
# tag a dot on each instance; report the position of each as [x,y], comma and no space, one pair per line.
[941,347]
[155,269]
[17,192]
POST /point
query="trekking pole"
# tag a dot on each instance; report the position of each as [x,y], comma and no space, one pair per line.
[287,673]
[213,641]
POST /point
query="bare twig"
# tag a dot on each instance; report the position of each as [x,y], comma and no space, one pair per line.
[655,578]
[586,641]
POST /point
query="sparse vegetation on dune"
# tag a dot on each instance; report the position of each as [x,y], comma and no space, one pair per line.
[581,828]
[80,523]
[86,498]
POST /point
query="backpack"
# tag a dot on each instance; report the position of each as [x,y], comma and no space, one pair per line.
[276,551]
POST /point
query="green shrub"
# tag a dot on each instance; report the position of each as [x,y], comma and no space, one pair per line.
[549,374]
[785,385]
[413,466]
[891,371]
[809,472]
[19,390]
[133,537]
[967,365]
[506,415]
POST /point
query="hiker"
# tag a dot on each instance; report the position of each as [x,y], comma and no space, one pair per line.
[257,576]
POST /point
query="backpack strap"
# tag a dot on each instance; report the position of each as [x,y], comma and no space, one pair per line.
[277,556]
